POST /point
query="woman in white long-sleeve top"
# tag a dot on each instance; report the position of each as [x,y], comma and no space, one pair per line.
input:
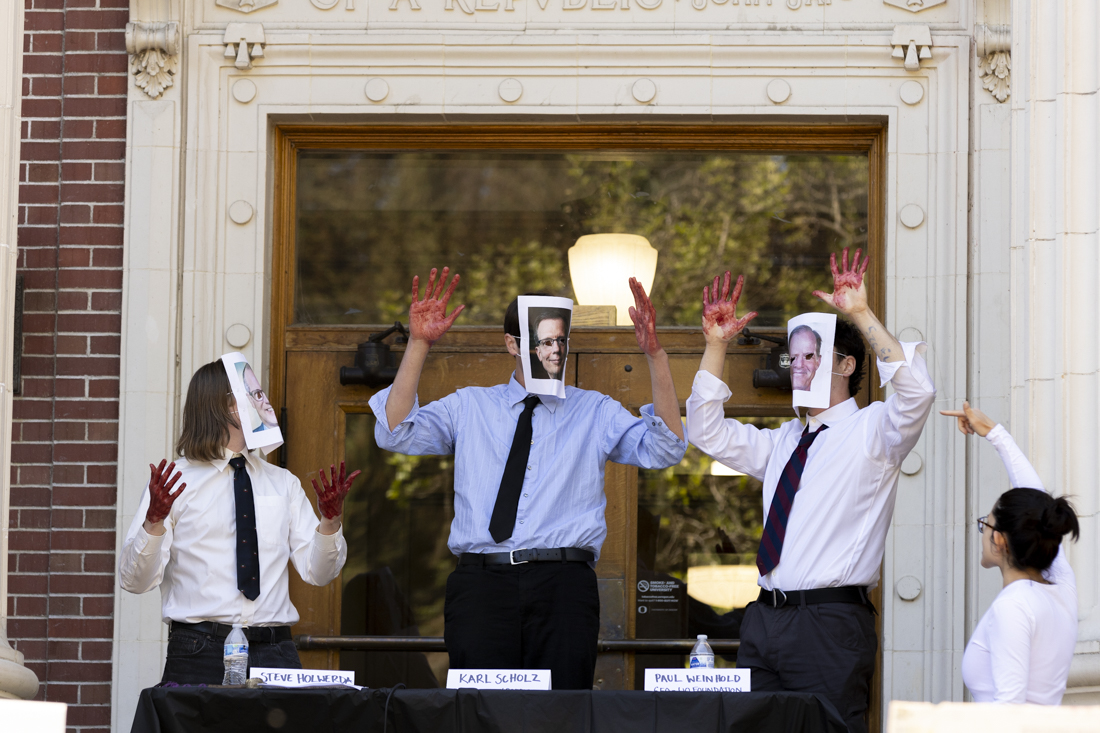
[1023,645]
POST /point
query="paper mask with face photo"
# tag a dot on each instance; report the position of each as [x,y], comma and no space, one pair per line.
[810,345]
[544,342]
[258,421]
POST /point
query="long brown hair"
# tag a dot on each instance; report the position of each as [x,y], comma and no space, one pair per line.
[207,414]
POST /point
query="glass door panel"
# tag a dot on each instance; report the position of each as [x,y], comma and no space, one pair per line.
[699,524]
[397,519]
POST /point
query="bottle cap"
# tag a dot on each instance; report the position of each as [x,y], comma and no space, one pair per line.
[701,637]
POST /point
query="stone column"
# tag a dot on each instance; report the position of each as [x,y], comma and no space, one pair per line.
[1056,191]
[16,681]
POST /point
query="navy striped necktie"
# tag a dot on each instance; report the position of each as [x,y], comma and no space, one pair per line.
[775,529]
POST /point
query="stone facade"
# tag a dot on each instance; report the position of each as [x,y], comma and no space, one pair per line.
[135,269]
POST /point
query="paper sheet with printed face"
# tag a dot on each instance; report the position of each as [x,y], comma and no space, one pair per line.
[257,416]
[810,339]
[544,342]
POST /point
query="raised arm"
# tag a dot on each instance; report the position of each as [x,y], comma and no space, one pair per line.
[849,296]
[720,322]
[428,321]
[644,315]
[971,421]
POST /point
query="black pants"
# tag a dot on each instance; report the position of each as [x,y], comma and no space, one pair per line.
[827,648]
[542,615]
[196,658]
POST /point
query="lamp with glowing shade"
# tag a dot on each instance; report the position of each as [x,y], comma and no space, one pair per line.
[601,265]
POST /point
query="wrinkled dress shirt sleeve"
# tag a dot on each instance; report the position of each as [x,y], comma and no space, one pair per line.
[317,557]
[425,431]
[645,443]
[144,556]
[744,448]
[907,409]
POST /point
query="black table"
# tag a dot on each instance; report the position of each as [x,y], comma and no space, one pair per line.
[210,709]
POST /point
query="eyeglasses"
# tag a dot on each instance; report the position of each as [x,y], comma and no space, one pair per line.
[547,343]
[257,394]
[982,524]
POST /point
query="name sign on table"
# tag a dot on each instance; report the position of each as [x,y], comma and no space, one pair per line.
[706,679]
[302,677]
[499,679]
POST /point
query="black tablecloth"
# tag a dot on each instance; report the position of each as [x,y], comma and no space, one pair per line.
[193,709]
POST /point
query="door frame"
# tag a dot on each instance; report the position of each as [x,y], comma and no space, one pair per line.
[869,139]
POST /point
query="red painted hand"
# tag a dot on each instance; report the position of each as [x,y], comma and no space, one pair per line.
[720,313]
[330,499]
[644,316]
[428,319]
[849,293]
[161,496]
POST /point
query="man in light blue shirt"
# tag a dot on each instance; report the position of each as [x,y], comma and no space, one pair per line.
[524,594]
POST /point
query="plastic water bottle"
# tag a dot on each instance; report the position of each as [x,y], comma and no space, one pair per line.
[701,654]
[236,657]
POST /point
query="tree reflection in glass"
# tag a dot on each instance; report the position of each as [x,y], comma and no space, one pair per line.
[367,221]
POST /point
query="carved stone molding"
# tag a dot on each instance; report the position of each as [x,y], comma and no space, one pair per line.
[912,43]
[153,49]
[245,6]
[244,42]
[994,46]
[914,6]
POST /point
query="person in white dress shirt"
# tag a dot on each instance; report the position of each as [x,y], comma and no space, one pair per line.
[1022,647]
[812,628]
[185,536]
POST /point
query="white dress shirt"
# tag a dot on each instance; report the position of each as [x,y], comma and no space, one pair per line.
[836,533]
[194,561]
[1023,646]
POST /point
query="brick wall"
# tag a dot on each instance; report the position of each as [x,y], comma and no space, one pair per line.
[65,436]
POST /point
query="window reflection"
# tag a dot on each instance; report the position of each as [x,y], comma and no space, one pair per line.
[396,521]
[699,525]
[367,221]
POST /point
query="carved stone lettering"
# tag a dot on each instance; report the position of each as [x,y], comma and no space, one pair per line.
[462,4]
[413,3]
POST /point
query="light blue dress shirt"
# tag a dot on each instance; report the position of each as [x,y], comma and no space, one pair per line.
[563,501]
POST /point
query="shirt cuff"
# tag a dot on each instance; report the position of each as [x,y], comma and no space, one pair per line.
[710,387]
[148,544]
[330,542]
[909,349]
[378,407]
[656,424]
[997,434]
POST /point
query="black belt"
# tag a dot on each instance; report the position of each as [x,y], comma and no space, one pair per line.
[845,594]
[269,634]
[519,557]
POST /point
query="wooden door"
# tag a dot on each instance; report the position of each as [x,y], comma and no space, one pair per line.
[602,359]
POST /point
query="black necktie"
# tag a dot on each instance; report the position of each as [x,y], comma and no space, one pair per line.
[504,511]
[775,529]
[248,547]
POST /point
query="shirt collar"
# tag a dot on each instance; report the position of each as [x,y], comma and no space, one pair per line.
[833,415]
[250,458]
[516,394]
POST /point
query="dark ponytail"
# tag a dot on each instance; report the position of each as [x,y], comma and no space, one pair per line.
[1034,522]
